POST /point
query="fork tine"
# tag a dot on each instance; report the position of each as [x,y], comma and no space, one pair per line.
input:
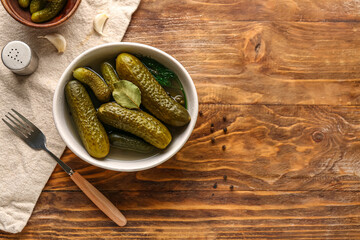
[23,124]
[26,127]
[18,133]
[21,129]
[25,120]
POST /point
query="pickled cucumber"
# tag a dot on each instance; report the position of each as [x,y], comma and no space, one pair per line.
[136,122]
[109,74]
[37,5]
[90,129]
[153,96]
[128,142]
[24,3]
[52,8]
[95,82]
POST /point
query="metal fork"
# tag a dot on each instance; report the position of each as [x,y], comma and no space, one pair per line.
[33,137]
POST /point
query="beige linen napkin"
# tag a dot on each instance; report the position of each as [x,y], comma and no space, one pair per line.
[23,171]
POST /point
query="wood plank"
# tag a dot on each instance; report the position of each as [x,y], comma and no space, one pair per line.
[199,215]
[294,168]
[267,148]
[234,62]
[254,10]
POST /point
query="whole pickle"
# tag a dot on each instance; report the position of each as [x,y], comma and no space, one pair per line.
[94,81]
[90,129]
[153,96]
[37,5]
[136,122]
[109,74]
[24,3]
[51,9]
[128,142]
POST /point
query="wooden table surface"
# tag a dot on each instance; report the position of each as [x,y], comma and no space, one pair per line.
[285,74]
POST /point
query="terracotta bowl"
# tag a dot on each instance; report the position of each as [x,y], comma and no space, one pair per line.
[23,15]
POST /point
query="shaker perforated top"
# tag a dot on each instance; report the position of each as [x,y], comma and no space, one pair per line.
[19,58]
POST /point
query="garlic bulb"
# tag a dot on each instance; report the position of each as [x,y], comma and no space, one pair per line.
[57,40]
[99,22]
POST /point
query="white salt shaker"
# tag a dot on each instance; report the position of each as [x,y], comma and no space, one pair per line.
[19,58]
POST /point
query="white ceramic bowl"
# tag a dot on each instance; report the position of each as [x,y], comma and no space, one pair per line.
[119,160]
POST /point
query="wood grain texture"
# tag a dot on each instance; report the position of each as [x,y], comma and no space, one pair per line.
[236,61]
[199,215]
[268,148]
[245,10]
[285,75]
[104,204]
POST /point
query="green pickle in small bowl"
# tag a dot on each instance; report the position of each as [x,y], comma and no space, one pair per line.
[43,10]
[140,100]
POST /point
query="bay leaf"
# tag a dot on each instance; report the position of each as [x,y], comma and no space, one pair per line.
[127,94]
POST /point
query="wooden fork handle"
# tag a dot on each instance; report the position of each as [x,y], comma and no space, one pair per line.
[99,199]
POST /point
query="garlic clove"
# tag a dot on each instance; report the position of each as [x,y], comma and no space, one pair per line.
[99,22]
[57,40]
